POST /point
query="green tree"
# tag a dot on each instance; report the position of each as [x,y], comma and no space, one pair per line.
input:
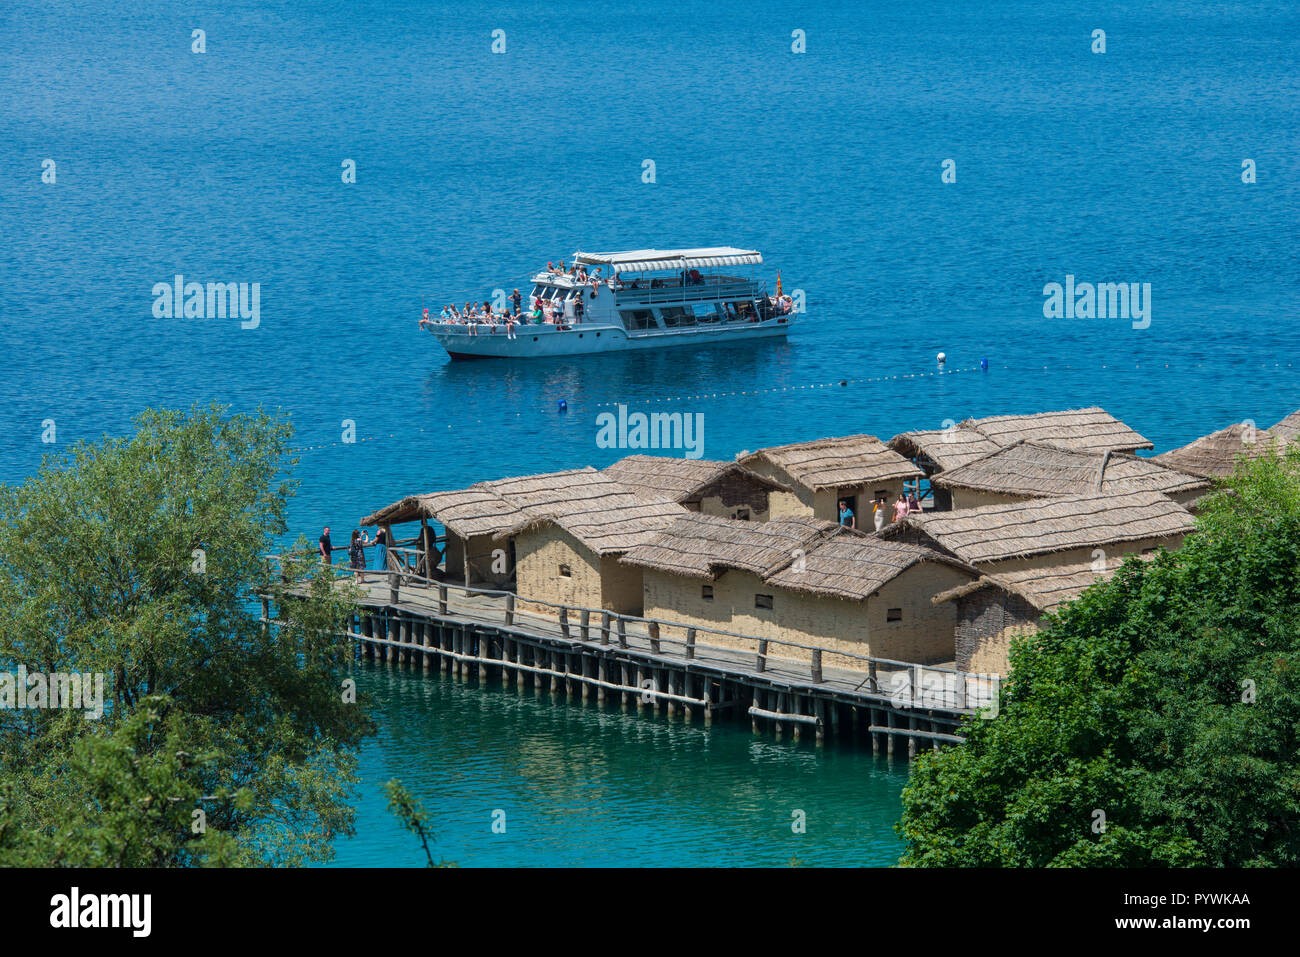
[1167,699]
[223,741]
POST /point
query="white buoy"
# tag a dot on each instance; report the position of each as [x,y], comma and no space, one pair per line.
[942,358]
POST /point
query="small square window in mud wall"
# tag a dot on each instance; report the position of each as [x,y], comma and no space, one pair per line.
[566,571]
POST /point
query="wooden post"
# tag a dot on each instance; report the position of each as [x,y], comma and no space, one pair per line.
[872,682]
[817,666]
[601,671]
[604,627]
[510,608]
[761,663]
[584,625]
[622,632]
[564,621]
[653,628]
[442,599]
[690,643]
[393,581]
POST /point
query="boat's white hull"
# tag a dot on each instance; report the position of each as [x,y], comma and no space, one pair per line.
[532,341]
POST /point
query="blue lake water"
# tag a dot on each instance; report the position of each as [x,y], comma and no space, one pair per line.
[473,168]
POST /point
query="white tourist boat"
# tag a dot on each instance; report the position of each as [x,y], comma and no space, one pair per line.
[639,299]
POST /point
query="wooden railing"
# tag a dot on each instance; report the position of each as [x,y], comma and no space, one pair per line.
[904,684]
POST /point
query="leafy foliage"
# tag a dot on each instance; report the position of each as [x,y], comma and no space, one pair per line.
[223,741]
[1167,698]
[411,814]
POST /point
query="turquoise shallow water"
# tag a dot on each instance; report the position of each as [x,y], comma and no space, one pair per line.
[590,785]
[474,168]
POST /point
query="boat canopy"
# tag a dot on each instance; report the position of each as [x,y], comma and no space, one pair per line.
[647,260]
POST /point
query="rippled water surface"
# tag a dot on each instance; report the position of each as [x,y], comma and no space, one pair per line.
[474,168]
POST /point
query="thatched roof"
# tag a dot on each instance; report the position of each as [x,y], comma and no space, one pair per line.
[1037,470]
[855,568]
[609,525]
[1091,430]
[994,533]
[705,546]
[1288,430]
[835,561]
[946,448]
[1215,455]
[1044,588]
[830,463]
[481,509]
[602,513]
[680,479]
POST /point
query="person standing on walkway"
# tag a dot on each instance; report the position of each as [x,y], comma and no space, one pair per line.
[381,549]
[878,513]
[900,508]
[325,547]
[357,555]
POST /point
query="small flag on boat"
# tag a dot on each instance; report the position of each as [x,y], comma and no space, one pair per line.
[778,283]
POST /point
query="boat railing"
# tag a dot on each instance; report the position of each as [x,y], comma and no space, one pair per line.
[905,684]
[692,292]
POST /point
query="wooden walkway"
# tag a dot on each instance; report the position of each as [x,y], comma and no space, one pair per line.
[641,662]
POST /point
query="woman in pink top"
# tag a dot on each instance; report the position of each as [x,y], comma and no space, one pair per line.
[900,508]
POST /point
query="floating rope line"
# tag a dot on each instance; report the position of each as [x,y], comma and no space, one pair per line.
[902,376]
[793,388]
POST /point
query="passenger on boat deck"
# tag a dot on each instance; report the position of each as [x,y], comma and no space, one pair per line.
[510,326]
[578,307]
[537,311]
[424,320]
[515,301]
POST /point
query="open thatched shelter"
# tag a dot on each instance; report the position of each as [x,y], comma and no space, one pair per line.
[480,520]
[858,468]
[1031,469]
[1089,430]
[726,489]
[803,580]
[1051,531]
[1216,455]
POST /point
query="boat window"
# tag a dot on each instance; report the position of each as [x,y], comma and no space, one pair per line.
[705,312]
[742,310]
[637,318]
[675,316]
